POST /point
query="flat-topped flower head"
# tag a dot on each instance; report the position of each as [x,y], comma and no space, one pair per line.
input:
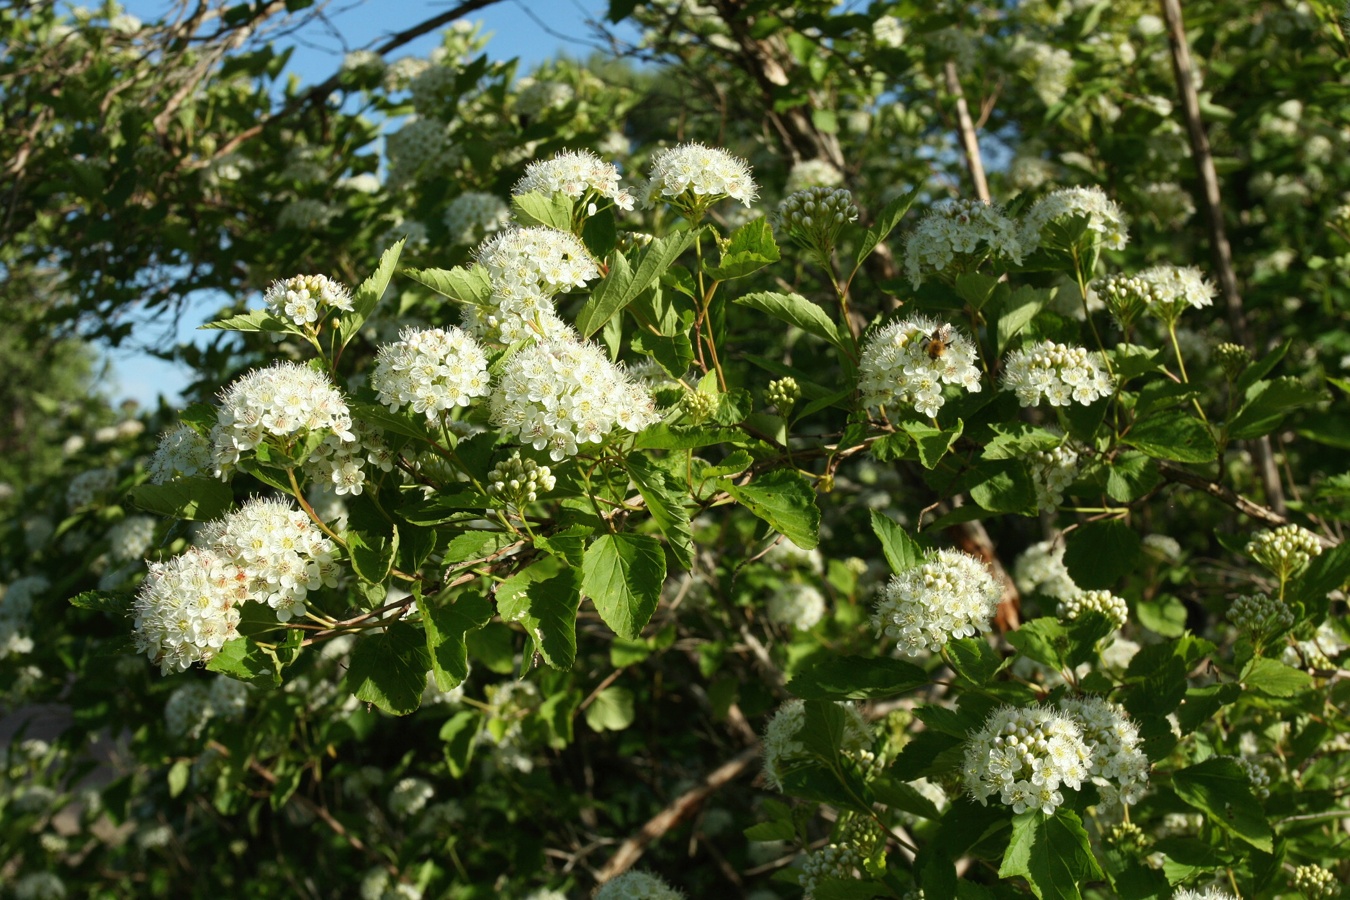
[949,595]
[562,394]
[187,608]
[907,363]
[307,299]
[956,237]
[1117,765]
[430,370]
[579,175]
[283,403]
[1105,219]
[280,553]
[797,606]
[422,145]
[1055,372]
[1024,756]
[692,177]
[1175,289]
[474,215]
[1041,569]
[542,259]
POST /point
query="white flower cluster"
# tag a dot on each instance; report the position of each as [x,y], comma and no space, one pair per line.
[430,370]
[949,595]
[813,217]
[281,554]
[1284,550]
[519,481]
[1118,766]
[286,401]
[526,267]
[182,453]
[1055,372]
[400,73]
[306,214]
[16,608]
[888,31]
[1256,774]
[89,487]
[1162,546]
[813,173]
[410,796]
[561,394]
[1318,653]
[340,464]
[1170,203]
[578,174]
[378,884]
[362,63]
[636,884]
[187,608]
[695,176]
[1212,893]
[907,363]
[421,145]
[1047,67]
[131,538]
[41,885]
[191,706]
[1041,569]
[956,236]
[433,89]
[538,97]
[1315,882]
[305,299]
[783,751]
[797,606]
[1174,289]
[1103,215]
[840,861]
[1024,756]
[786,556]
[1077,605]
[1052,471]
[474,215]
[1261,614]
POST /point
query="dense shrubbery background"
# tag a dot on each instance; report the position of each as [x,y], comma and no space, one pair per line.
[526,696]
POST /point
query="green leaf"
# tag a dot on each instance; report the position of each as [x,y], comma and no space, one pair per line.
[664,501]
[546,605]
[795,310]
[667,437]
[976,288]
[178,776]
[197,499]
[932,442]
[675,353]
[1044,640]
[252,321]
[1325,573]
[550,210]
[116,603]
[1131,476]
[623,283]
[1003,486]
[459,734]
[243,660]
[1099,554]
[826,676]
[466,284]
[406,422]
[1274,679]
[784,499]
[1052,853]
[750,249]
[447,626]
[1163,614]
[885,223]
[1262,367]
[974,660]
[623,574]
[389,669]
[611,710]
[902,551]
[1175,436]
[1221,789]
[372,554]
[368,295]
[1017,313]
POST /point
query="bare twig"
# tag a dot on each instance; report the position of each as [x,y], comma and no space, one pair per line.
[1226,495]
[969,143]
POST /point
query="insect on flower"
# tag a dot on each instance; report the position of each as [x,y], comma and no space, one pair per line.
[936,343]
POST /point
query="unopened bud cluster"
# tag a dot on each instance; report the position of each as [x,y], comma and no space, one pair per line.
[783,393]
[1233,358]
[1104,602]
[1284,550]
[1260,614]
[1314,882]
[636,884]
[1128,837]
[1125,296]
[814,217]
[307,299]
[1055,372]
[698,406]
[1256,774]
[520,481]
[1052,471]
[1023,757]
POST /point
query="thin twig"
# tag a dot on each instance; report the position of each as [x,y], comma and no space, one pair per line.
[966,125]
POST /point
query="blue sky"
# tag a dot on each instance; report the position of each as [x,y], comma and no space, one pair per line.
[533,30]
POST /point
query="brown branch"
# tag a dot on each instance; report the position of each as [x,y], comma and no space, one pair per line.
[679,809]
[969,142]
[1221,493]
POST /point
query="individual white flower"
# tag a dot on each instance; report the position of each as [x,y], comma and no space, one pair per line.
[783,751]
[561,395]
[1104,217]
[409,797]
[89,487]
[1118,766]
[131,538]
[72,445]
[1077,605]
[307,299]
[797,606]
[538,97]
[281,554]
[430,371]
[474,215]
[182,453]
[957,236]
[694,176]
[1052,471]
[187,608]
[577,174]
[1024,756]
[287,401]
[907,363]
[1055,372]
[949,595]
[187,710]
[1284,550]
[636,884]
